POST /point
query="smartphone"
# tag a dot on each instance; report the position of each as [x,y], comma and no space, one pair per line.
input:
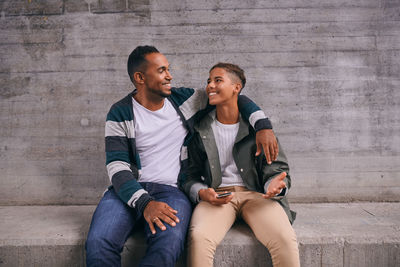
[220,195]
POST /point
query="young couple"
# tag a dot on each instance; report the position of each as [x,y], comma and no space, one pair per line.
[159,138]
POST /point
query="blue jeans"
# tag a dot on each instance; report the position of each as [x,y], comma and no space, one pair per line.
[113,222]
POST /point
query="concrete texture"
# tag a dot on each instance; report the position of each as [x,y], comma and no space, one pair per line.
[329,234]
[326,73]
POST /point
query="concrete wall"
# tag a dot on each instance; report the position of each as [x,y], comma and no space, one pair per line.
[326,72]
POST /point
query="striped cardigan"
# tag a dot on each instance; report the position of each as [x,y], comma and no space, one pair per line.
[122,159]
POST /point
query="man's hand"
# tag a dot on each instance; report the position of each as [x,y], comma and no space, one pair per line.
[210,196]
[276,185]
[266,139]
[155,212]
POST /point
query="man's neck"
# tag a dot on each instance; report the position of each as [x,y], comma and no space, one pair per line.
[148,101]
[227,113]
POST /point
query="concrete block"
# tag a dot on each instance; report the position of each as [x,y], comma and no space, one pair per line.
[231,44]
[42,256]
[245,255]
[31,7]
[261,15]
[388,42]
[48,256]
[229,4]
[332,255]
[95,6]
[321,254]
[310,255]
[391,9]
[8,256]
[390,63]
[36,36]
[369,255]
[341,234]
[325,72]
[106,6]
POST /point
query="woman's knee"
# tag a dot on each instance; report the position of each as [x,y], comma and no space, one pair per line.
[283,241]
[201,237]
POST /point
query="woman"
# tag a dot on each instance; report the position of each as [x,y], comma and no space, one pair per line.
[228,181]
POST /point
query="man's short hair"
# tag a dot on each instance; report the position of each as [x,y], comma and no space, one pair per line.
[137,60]
[233,69]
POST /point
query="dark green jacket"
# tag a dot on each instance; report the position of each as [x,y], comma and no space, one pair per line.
[204,169]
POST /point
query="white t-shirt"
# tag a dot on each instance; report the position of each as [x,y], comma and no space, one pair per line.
[159,137]
[225,135]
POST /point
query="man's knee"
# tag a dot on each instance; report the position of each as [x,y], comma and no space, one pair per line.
[164,248]
[102,251]
[173,238]
[96,244]
[99,243]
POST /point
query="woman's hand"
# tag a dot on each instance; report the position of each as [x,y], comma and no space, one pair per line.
[276,185]
[210,196]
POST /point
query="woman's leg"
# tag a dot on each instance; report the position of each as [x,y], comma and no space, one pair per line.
[208,227]
[272,228]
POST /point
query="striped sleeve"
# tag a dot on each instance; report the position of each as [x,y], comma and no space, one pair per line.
[194,105]
[122,168]
[253,114]
[191,102]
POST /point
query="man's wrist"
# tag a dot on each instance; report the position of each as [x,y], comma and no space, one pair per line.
[142,202]
[263,124]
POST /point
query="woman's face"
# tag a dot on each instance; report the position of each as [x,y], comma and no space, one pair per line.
[221,87]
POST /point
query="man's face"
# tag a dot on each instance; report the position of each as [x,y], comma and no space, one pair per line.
[157,76]
[221,87]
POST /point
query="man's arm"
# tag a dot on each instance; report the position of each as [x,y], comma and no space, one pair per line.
[265,137]
[194,105]
[123,170]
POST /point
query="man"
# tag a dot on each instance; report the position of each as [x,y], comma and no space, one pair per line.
[144,146]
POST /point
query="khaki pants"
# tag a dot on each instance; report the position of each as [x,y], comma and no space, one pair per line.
[265,217]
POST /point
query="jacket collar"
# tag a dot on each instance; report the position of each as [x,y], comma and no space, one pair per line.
[205,127]
[207,136]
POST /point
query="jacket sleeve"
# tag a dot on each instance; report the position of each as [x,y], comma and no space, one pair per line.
[122,169]
[195,170]
[269,172]
[194,105]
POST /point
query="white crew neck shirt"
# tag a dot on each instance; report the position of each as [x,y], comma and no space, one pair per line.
[159,137]
[225,135]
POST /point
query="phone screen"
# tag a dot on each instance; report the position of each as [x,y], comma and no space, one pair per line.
[224,194]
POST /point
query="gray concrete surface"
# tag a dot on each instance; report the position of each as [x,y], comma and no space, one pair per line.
[326,72]
[329,234]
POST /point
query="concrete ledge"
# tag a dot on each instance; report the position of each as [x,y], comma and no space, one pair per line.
[334,234]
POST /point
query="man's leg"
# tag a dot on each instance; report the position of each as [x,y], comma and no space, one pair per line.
[208,227]
[272,228]
[111,225]
[165,247]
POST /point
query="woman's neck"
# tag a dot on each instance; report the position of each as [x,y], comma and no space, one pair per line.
[227,113]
